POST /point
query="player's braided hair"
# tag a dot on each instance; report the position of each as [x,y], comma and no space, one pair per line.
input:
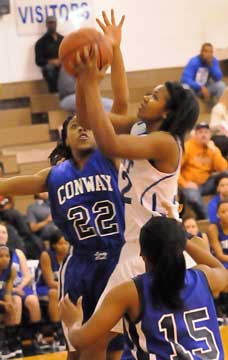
[61,151]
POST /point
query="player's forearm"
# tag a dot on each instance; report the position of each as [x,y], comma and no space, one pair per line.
[201,256]
[81,106]
[119,83]
[103,130]
[21,185]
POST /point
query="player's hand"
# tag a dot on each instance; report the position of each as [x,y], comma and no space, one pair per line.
[18,290]
[71,314]
[205,93]
[86,66]
[111,29]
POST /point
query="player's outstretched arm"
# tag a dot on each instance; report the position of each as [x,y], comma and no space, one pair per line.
[24,185]
[121,299]
[216,273]
[118,75]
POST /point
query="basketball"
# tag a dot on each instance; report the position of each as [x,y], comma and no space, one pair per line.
[76,40]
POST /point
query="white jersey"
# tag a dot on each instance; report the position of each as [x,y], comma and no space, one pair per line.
[144,188]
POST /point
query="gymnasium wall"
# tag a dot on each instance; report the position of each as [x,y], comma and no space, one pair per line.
[157,33]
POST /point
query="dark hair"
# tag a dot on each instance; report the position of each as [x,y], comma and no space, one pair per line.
[219,178]
[183,110]
[162,241]
[185,218]
[54,238]
[62,150]
[222,202]
[206,44]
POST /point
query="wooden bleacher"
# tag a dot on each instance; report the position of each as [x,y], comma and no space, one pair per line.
[25,144]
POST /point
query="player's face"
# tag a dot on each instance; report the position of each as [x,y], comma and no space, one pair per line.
[3,235]
[78,138]
[191,226]
[223,213]
[223,188]
[4,258]
[153,106]
[62,247]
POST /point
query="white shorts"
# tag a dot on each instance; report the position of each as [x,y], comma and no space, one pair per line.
[126,270]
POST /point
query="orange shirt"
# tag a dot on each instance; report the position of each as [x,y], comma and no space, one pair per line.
[199,162]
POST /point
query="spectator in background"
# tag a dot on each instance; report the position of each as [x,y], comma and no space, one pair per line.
[203,74]
[192,228]
[39,218]
[46,53]
[7,309]
[221,184]
[66,90]
[218,234]
[22,292]
[219,123]
[200,160]
[47,282]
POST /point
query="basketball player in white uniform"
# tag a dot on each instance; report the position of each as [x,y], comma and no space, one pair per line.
[149,176]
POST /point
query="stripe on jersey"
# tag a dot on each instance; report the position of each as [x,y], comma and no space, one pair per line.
[154,184]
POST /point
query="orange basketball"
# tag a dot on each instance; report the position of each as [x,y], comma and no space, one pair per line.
[76,40]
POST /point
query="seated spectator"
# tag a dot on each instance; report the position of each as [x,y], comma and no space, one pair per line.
[218,234]
[201,159]
[219,123]
[7,275]
[66,90]
[203,74]
[221,184]
[22,293]
[47,280]
[39,218]
[31,244]
[46,53]
[192,228]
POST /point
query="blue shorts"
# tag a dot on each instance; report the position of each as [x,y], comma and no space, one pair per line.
[42,290]
[27,292]
[86,274]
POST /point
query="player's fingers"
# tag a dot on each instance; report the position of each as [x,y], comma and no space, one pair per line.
[106,20]
[113,20]
[79,302]
[102,26]
[78,58]
[121,21]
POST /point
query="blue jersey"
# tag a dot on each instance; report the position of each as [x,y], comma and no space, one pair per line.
[223,239]
[4,277]
[86,204]
[191,333]
[54,266]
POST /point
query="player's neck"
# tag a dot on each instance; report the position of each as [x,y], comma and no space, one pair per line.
[80,159]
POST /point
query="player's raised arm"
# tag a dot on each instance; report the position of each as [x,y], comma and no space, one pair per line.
[24,185]
[121,123]
[216,273]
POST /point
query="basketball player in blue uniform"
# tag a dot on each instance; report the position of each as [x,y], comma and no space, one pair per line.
[46,278]
[165,314]
[218,234]
[86,203]
[7,309]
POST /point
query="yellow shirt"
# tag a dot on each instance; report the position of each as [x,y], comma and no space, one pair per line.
[199,162]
